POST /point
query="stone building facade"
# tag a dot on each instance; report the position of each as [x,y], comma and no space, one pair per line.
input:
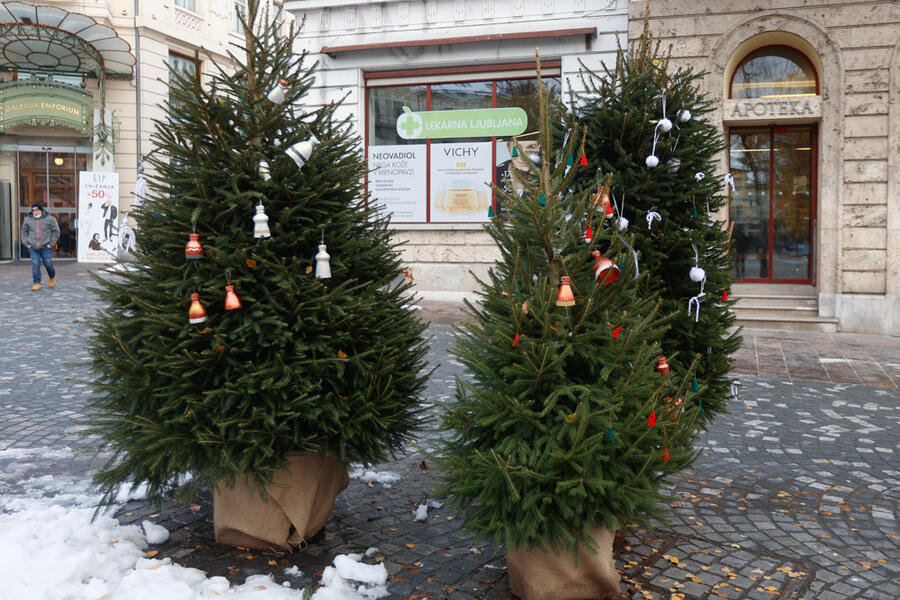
[447,55]
[109,68]
[851,121]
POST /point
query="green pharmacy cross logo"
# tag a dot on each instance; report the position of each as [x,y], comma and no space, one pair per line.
[409,125]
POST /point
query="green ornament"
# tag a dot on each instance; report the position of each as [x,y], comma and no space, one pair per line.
[610,435]
[695,385]
[542,200]
[515,151]
[490,211]
[694,212]
[570,161]
[700,405]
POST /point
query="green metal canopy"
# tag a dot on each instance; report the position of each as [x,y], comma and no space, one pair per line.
[50,39]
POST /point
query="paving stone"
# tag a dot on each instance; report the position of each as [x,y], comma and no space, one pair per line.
[800,475]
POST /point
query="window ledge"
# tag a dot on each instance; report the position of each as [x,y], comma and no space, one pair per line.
[437,226]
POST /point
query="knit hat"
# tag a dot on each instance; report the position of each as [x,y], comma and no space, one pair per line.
[37,205]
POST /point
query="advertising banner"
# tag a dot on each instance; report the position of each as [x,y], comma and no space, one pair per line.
[397,181]
[98,216]
[476,122]
[460,181]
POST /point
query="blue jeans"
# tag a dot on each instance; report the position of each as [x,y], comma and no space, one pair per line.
[44,254]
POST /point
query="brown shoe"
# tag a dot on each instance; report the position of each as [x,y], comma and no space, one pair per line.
[35,287]
[52,281]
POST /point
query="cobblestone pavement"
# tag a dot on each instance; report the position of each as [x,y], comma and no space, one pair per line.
[794,496]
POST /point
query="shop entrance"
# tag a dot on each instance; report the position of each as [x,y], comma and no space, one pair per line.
[773,206]
[50,177]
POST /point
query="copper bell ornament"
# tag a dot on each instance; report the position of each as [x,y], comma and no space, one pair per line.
[232,302]
[193,250]
[196,314]
[662,367]
[565,297]
[605,270]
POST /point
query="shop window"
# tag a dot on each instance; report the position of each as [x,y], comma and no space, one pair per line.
[240,7]
[774,72]
[437,178]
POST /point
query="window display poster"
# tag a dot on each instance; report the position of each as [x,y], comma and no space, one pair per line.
[397,181]
[461,181]
[98,216]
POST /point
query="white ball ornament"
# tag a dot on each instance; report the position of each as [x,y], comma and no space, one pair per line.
[652,161]
[697,274]
[685,116]
[623,223]
[665,125]
[699,176]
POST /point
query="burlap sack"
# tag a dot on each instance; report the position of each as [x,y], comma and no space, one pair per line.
[310,486]
[538,575]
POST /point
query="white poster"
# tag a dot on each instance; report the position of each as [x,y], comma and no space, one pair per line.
[98,216]
[460,181]
[397,181]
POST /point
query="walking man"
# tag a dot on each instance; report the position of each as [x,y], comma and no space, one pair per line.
[40,233]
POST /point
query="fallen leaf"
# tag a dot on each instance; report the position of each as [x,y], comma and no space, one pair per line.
[233,571]
[260,587]
[152,553]
[195,507]
[341,354]
[273,563]
[410,546]
[154,567]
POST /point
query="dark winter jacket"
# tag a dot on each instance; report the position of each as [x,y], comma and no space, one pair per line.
[40,232]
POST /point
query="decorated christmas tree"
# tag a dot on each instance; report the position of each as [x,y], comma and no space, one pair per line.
[567,421]
[645,126]
[280,326]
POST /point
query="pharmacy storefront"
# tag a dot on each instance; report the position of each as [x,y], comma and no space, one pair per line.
[57,137]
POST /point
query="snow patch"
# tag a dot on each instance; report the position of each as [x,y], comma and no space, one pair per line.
[155,534]
[385,478]
[350,579]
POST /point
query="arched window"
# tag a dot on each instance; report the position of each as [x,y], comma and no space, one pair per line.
[774,72]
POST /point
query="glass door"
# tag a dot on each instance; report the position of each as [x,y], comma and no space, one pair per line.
[50,178]
[773,205]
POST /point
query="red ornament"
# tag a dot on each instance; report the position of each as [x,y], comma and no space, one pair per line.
[583,161]
[565,297]
[605,270]
[515,343]
[609,211]
[651,420]
[724,295]
[616,332]
[588,235]
[665,453]
[231,300]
